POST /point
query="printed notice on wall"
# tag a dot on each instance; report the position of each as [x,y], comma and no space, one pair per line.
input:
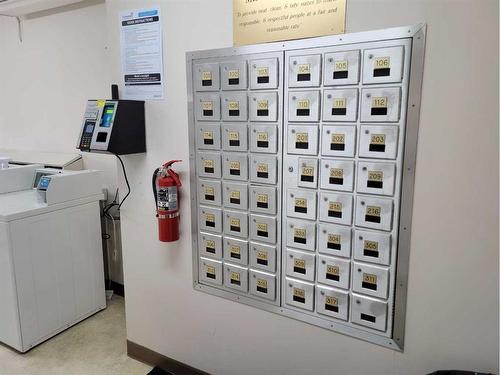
[142,54]
[259,21]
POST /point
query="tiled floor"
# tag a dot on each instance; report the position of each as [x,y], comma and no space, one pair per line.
[96,346]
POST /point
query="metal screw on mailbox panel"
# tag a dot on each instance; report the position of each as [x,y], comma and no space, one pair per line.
[293,131]
[295,62]
[364,168]
[290,285]
[254,220]
[323,262]
[361,237]
[291,256]
[370,56]
[368,95]
[324,230]
[328,132]
[330,60]
[304,164]
[367,132]
[294,97]
[362,203]
[254,99]
[358,302]
[255,131]
[322,293]
[227,99]
[253,276]
[329,96]
[254,66]
[325,199]
[327,166]
[359,269]
[291,195]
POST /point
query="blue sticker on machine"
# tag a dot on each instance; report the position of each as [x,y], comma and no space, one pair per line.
[43,184]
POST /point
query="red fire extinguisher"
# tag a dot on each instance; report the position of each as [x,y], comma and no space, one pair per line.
[166,184]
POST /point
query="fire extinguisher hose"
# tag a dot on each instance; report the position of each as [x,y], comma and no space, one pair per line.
[154,186]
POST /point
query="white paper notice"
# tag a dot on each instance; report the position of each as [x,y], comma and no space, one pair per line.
[142,54]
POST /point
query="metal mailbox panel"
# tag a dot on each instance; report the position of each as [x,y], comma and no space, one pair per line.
[263,169]
[383,65]
[369,312]
[341,68]
[235,195]
[263,106]
[236,277]
[208,136]
[208,164]
[301,234]
[337,174]
[236,223]
[263,257]
[307,173]
[303,106]
[302,139]
[372,247]
[370,280]
[334,240]
[375,213]
[263,228]
[211,271]
[235,250]
[332,302]
[340,105]
[234,106]
[264,74]
[209,192]
[264,138]
[207,107]
[376,178]
[380,104]
[334,271]
[235,166]
[304,71]
[210,245]
[300,264]
[206,77]
[335,208]
[263,284]
[299,294]
[378,142]
[301,204]
[338,141]
[234,137]
[210,219]
[234,75]
[263,199]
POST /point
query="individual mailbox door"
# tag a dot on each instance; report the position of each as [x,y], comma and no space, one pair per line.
[263,106]
[210,219]
[234,75]
[301,234]
[263,169]
[307,173]
[234,137]
[264,138]
[299,294]
[209,192]
[335,208]
[263,284]
[235,250]
[376,178]
[375,213]
[206,77]
[234,106]
[369,312]
[300,264]
[380,104]
[263,256]
[372,247]
[302,139]
[334,271]
[263,199]
[236,224]
[263,228]
[264,74]
[236,277]
[338,140]
[370,280]
[334,240]
[210,245]
[337,174]
[235,195]
[301,204]
[378,142]
[235,166]
[208,164]
[211,271]
[340,105]
[304,71]
[332,302]
[341,68]
[207,136]
[383,65]
[303,106]
[207,107]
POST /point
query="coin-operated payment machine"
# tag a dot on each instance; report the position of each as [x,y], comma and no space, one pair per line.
[114,126]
